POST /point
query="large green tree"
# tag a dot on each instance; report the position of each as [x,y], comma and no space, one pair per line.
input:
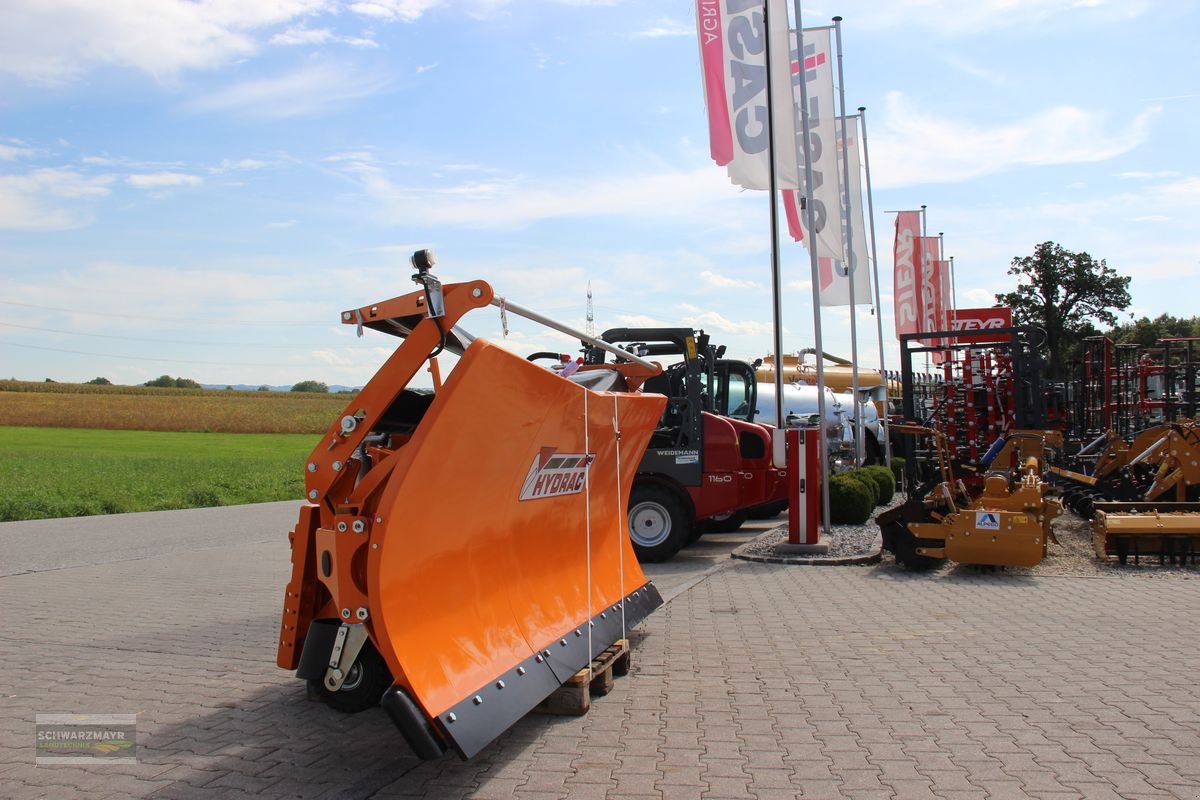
[1062,292]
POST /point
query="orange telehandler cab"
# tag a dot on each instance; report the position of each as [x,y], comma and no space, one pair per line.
[703,465]
[463,552]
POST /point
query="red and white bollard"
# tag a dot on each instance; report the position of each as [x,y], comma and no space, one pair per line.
[804,484]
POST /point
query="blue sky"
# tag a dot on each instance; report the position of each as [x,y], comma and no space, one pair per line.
[199,188]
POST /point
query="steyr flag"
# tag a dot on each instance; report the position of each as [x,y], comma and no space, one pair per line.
[816,69]
[906,286]
[733,46]
[835,275]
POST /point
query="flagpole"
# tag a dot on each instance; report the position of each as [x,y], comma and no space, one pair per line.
[816,274]
[887,440]
[776,274]
[953,291]
[921,268]
[945,320]
[848,253]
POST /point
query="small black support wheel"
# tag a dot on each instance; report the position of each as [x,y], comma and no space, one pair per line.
[904,548]
[727,523]
[659,523]
[872,452]
[365,683]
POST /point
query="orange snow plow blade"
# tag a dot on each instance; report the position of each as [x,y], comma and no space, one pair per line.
[474,538]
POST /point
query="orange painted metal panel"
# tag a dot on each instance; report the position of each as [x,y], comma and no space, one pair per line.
[469,579]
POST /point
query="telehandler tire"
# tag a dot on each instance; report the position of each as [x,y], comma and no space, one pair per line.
[366,681]
[727,523]
[658,522]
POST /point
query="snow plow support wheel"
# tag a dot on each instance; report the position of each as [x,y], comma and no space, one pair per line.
[365,683]
[658,522]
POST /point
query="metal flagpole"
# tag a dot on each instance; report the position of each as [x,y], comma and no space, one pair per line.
[921,267]
[953,292]
[945,320]
[776,274]
[816,273]
[848,251]
[887,440]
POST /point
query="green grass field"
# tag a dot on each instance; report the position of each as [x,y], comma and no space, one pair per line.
[69,472]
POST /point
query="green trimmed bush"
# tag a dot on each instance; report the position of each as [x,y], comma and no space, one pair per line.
[885,482]
[849,500]
[866,480]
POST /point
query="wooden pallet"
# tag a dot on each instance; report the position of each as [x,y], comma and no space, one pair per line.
[574,697]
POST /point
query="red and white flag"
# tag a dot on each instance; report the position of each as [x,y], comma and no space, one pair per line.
[906,284]
[835,275]
[733,47]
[933,316]
[816,69]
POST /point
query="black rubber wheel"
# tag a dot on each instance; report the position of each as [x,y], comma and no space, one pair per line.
[727,523]
[659,523]
[767,510]
[904,548]
[872,452]
[367,680]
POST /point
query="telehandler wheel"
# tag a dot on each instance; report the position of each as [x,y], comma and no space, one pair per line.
[365,683]
[658,522]
[727,523]
[767,510]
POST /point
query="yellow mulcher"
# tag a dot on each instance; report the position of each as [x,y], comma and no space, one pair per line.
[1006,523]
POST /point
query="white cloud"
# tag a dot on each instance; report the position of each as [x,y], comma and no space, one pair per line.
[724,282]
[240,165]
[954,18]
[47,42]
[10,152]
[162,180]
[915,148]
[303,36]
[513,200]
[714,320]
[401,10]
[314,89]
[665,26]
[33,201]
[1136,175]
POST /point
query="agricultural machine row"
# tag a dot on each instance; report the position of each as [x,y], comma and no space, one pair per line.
[993,453]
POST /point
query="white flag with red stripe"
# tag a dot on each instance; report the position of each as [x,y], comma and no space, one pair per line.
[835,274]
[733,46]
[816,70]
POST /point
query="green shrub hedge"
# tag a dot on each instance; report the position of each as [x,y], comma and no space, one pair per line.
[850,501]
[866,480]
[885,482]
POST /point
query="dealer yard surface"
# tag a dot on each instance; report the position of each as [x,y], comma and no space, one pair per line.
[755,680]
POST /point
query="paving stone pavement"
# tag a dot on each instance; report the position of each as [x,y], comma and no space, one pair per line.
[759,681]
